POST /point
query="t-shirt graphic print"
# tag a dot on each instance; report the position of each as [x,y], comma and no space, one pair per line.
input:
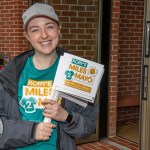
[32,95]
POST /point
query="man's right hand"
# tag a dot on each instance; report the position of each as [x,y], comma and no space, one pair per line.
[44,131]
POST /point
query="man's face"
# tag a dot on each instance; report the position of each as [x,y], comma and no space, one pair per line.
[43,34]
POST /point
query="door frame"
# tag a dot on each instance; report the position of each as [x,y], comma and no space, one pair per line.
[145,87]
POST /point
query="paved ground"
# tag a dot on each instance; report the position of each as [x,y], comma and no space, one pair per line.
[114,143]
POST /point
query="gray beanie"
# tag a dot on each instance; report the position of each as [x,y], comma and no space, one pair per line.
[38,9]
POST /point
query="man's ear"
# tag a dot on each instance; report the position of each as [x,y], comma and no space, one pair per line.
[59,31]
[26,35]
[59,28]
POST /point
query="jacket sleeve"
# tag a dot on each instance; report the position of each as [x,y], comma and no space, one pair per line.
[84,121]
[14,132]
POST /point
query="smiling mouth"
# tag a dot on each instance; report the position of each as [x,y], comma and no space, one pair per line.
[46,42]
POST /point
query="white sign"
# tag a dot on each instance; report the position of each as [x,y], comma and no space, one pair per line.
[78,77]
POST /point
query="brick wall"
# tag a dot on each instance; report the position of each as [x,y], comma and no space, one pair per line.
[130,55]
[128,113]
[130,47]
[125,56]
[12,41]
[114,44]
[78,21]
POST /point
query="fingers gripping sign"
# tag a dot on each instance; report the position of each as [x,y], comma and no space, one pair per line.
[54,110]
[55,98]
[44,131]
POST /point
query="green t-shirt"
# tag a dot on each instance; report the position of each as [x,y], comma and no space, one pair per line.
[35,86]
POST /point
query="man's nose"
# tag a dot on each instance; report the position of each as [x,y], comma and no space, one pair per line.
[44,34]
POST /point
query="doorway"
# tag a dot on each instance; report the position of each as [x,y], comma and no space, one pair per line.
[129,69]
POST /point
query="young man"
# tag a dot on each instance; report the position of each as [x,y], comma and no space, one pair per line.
[25,84]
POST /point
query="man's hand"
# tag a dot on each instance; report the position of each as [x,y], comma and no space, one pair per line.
[54,110]
[44,131]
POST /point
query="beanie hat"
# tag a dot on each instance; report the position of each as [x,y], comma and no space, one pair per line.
[39,9]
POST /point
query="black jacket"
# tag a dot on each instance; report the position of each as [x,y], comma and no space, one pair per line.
[20,133]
